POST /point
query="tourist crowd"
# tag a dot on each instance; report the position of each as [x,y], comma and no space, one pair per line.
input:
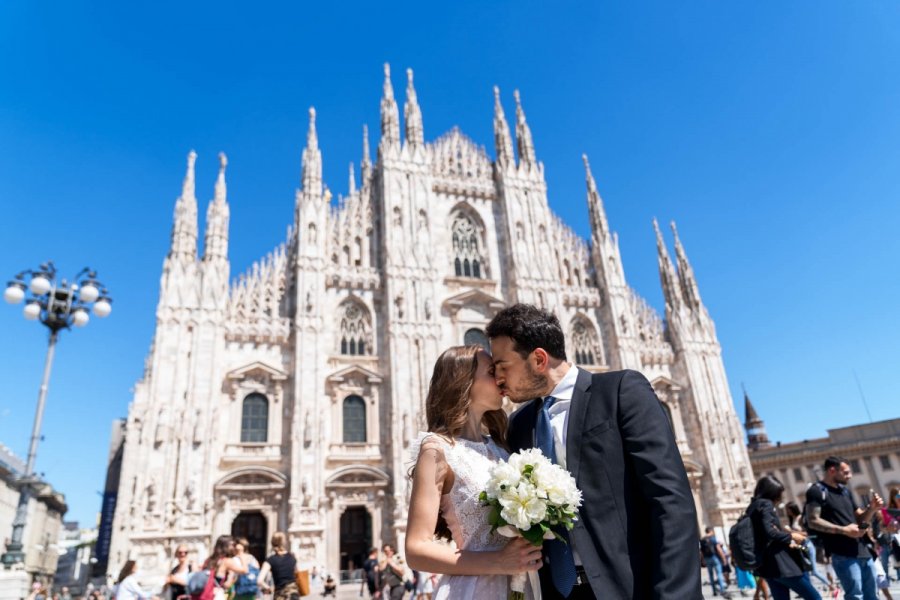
[833,539]
[232,573]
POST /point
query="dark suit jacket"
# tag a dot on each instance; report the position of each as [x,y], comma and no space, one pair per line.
[637,530]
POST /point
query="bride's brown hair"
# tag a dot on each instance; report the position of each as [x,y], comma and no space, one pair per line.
[447,405]
[448,400]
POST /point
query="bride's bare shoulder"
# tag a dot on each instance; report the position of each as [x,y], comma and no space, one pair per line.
[435,442]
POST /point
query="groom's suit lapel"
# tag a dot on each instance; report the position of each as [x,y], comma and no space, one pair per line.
[522,432]
[577,410]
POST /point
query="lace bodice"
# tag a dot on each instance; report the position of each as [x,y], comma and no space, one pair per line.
[471,463]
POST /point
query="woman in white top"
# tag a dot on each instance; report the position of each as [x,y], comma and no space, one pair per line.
[127,587]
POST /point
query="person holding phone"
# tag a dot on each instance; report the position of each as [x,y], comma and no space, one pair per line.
[842,524]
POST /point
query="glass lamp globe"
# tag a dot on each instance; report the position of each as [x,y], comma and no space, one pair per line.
[40,285]
[102,308]
[14,293]
[32,311]
[88,292]
[80,318]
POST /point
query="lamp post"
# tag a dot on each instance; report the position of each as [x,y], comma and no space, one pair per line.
[58,305]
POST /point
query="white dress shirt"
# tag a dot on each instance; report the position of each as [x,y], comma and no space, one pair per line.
[559,412]
[559,422]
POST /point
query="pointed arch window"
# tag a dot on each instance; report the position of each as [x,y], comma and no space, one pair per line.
[354,420]
[255,419]
[585,343]
[468,247]
[356,329]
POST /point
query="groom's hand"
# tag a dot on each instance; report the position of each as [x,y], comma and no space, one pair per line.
[519,556]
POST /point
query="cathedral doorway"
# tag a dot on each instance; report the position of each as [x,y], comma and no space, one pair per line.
[356,537]
[253,526]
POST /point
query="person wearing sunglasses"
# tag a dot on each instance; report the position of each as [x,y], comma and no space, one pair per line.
[176,581]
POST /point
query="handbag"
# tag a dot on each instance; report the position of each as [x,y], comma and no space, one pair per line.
[302,580]
[800,555]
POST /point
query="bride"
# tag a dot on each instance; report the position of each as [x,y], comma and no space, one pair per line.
[452,466]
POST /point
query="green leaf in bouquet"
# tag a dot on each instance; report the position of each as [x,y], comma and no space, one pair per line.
[535,535]
[483,498]
[494,517]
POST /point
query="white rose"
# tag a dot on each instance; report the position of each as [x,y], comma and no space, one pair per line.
[502,475]
[557,486]
[521,506]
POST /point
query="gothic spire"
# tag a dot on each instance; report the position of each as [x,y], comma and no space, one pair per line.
[215,244]
[412,114]
[312,159]
[750,414]
[595,204]
[523,135]
[756,430]
[667,275]
[184,227]
[221,189]
[502,139]
[365,163]
[188,187]
[351,186]
[686,278]
[390,115]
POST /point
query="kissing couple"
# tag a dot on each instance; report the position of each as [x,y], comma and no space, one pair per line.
[636,534]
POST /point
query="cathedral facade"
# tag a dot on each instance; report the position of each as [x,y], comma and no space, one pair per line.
[286,399]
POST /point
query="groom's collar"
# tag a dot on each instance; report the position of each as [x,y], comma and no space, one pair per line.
[566,386]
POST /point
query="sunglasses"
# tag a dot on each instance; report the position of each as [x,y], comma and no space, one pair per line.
[181,554]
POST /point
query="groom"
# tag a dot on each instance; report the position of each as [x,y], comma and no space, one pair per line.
[636,536]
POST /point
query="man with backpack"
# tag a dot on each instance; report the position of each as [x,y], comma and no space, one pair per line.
[832,511]
[714,557]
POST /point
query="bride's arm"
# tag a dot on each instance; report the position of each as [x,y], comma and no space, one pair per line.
[431,478]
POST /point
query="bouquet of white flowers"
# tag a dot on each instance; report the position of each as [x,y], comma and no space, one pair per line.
[529,496]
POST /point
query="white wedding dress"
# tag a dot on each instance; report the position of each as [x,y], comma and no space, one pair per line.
[471,463]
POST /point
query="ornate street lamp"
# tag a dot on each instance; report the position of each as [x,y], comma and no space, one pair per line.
[58,305]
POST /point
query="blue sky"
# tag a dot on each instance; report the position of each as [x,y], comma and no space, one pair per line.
[769,131]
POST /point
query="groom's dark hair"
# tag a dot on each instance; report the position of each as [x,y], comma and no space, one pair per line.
[529,327]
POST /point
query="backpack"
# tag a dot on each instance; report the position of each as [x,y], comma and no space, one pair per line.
[743,544]
[706,548]
[246,584]
[196,582]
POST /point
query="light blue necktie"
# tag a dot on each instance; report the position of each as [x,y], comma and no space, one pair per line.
[562,565]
